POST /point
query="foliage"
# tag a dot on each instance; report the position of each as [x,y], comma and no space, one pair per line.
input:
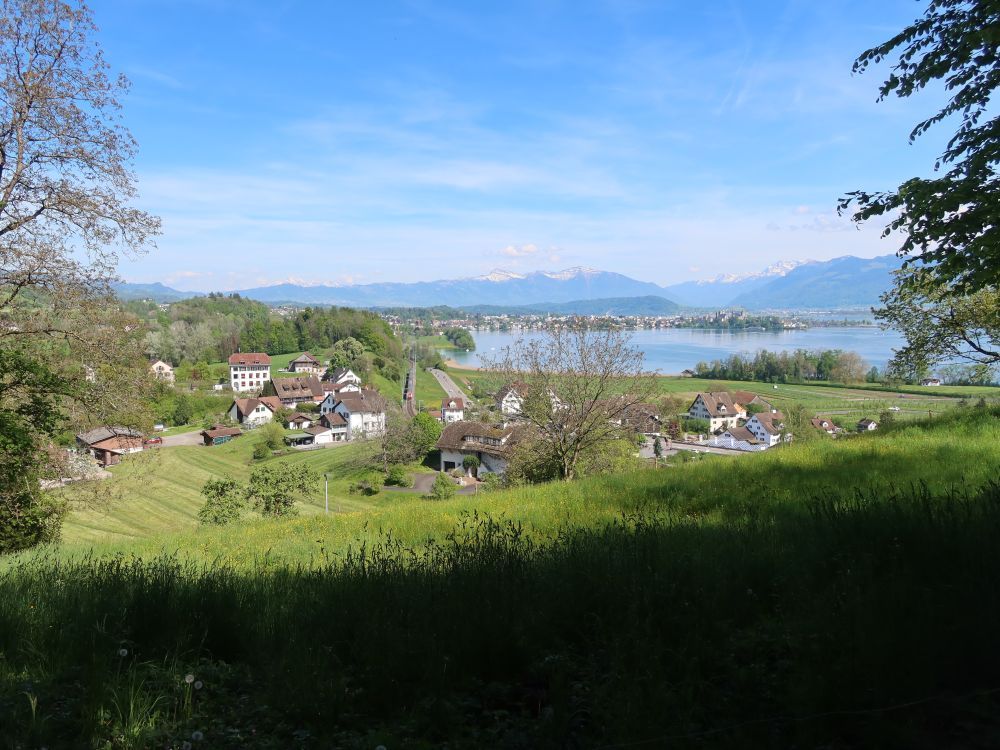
[579,388]
[471,463]
[801,365]
[657,447]
[66,187]
[274,488]
[225,500]
[798,425]
[950,223]
[370,485]
[443,488]
[695,425]
[260,450]
[940,326]
[273,435]
[346,351]
[460,338]
[424,433]
[398,476]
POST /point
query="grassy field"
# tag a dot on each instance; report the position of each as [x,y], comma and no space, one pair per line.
[838,594]
[429,391]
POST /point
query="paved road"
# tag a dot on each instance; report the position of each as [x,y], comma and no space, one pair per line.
[448,384]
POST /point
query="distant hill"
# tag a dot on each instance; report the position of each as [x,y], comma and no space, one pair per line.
[496,288]
[646,305]
[723,289]
[842,282]
[157,292]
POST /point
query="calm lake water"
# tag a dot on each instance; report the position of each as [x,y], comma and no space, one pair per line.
[671,350]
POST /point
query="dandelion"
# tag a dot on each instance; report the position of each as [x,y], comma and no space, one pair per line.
[380,747]
[185,745]
[189,678]
[197,736]
[123,652]
[198,684]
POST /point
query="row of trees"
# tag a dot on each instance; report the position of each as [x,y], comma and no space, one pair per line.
[834,365]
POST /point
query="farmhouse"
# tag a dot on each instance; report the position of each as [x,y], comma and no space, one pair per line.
[299,421]
[931,381]
[337,426]
[307,363]
[452,410]
[253,412]
[294,391]
[718,408]
[249,371]
[343,375]
[767,427]
[109,444]
[491,445]
[821,423]
[162,371]
[867,425]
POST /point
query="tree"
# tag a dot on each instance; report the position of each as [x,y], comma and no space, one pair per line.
[346,351]
[273,436]
[849,368]
[582,389]
[273,489]
[65,216]
[939,326]
[657,448]
[950,223]
[183,411]
[425,431]
[471,464]
[224,501]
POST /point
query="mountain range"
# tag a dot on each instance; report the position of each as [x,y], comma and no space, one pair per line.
[845,282]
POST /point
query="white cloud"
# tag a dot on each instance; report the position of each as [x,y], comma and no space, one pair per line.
[522,251]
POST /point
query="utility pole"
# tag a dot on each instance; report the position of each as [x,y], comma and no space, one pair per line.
[326,490]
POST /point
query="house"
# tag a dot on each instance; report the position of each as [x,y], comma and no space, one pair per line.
[336,424]
[294,391]
[253,412]
[825,425]
[109,444]
[867,425]
[220,434]
[491,445]
[343,375]
[931,381]
[348,387]
[767,427]
[510,399]
[738,439]
[688,373]
[162,371]
[299,421]
[718,408]
[748,398]
[249,371]
[322,434]
[452,410]
[306,362]
[363,412]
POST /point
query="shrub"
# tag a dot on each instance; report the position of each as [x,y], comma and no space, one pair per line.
[261,451]
[491,483]
[443,488]
[397,476]
[224,502]
[471,464]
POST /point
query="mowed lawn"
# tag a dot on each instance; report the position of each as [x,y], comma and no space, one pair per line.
[159,490]
[959,450]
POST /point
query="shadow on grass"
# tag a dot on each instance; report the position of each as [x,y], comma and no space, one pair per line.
[744,632]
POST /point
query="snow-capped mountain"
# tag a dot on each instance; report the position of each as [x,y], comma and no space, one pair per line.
[724,288]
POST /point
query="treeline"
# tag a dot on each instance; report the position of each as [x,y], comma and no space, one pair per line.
[835,365]
[210,328]
[767,322]
[460,338]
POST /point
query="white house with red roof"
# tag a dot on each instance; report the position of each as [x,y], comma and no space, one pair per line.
[452,410]
[249,371]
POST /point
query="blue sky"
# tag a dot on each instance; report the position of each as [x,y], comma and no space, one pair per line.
[359,142]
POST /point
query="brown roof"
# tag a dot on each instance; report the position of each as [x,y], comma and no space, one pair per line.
[771,421]
[446,403]
[742,433]
[247,405]
[221,431]
[298,388]
[305,357]
[716,400]
[477,436]
[92,437]
[118,443]
[316,429]
[332,419]
[822,424]
[745,398]
[365,402]
[300,417]
[249,358]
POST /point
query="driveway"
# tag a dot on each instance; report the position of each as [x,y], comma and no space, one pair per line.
[422,483]
[185,438]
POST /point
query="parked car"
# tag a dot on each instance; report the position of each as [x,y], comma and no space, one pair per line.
[153,440]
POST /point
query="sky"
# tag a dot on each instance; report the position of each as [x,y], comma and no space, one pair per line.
[344,142]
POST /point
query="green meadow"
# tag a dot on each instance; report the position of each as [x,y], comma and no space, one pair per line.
[836,594]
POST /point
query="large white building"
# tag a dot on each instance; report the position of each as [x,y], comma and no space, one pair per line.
[249,371]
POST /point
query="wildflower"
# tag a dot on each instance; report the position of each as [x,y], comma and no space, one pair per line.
[197,736]
[185,745]
[123,652]
[198,685]
[380,747]
[189,678]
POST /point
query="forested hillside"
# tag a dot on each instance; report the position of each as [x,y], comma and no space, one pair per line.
[210,328]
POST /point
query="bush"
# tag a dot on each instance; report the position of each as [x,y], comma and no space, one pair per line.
[261,451]
[224,502]
[443,488]
[370,485]
[491,483]
[397,476]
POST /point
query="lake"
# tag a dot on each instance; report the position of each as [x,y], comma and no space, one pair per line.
[671,350]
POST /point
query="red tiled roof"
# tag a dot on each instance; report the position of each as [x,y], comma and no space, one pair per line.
[249,358]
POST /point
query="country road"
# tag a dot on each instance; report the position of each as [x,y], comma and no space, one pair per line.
[449,385]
